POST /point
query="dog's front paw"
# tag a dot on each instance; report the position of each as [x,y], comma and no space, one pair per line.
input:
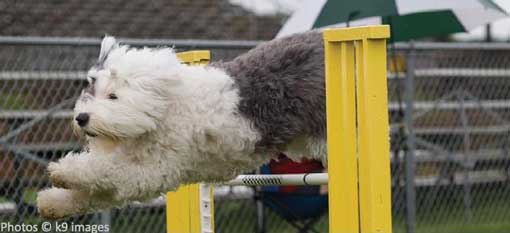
[57,175]
[61,176]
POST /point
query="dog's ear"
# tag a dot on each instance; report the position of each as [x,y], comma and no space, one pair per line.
[161,86]
[107,45]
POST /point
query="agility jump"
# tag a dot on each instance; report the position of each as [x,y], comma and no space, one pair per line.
[358,142]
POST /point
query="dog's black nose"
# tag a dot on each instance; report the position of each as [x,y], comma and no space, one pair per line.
[82,119]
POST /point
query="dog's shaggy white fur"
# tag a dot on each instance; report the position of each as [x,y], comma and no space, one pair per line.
[153,124]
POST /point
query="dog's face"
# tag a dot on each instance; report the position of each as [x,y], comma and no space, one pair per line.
[128,91]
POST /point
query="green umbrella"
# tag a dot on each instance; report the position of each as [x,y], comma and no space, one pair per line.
[409,18]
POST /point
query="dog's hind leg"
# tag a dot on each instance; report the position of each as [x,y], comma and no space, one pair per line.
[308,146]
[57,203]
[318,149]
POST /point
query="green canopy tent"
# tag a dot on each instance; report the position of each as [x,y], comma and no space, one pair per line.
[409,18]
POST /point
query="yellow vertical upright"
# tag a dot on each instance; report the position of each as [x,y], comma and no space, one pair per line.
[341,134]
[373,136]
[178,209]
[358,131]
[190,209]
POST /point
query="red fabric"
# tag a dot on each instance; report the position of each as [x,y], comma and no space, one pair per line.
[284,165]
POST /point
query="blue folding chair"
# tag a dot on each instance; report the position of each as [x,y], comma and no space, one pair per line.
[301,206]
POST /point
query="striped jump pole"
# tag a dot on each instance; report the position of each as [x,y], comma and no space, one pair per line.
[284,179]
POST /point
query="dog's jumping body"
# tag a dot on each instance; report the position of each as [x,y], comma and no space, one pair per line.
[153,123]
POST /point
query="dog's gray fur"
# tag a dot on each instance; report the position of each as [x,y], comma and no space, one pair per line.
[282,88]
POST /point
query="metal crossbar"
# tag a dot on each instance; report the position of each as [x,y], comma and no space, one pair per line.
[282,179]
[82,41]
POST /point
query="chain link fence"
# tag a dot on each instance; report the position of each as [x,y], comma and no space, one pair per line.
[452,171]
[449,111]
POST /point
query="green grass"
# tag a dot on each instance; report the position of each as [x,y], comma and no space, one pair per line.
[468,228]
[491,214]
[13,101]
[30,195]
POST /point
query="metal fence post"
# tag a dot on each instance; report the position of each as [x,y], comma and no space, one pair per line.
[410,192]
[467,164]
[261,220]
[106,220]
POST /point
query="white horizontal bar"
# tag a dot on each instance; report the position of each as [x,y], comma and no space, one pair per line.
[283,179]
[438,72]
[452,46]
[455,72]
[496,129]
[463,72]
[475,177]
[426,156]
[393,106]
[14,114]
[88,41]
[43,75]
[454,105]
[47,146]
[7,208]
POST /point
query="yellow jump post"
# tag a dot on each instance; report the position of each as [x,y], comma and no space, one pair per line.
[358,139]
[191,207]
[358,131]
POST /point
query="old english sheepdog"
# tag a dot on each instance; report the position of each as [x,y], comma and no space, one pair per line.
[153,123]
